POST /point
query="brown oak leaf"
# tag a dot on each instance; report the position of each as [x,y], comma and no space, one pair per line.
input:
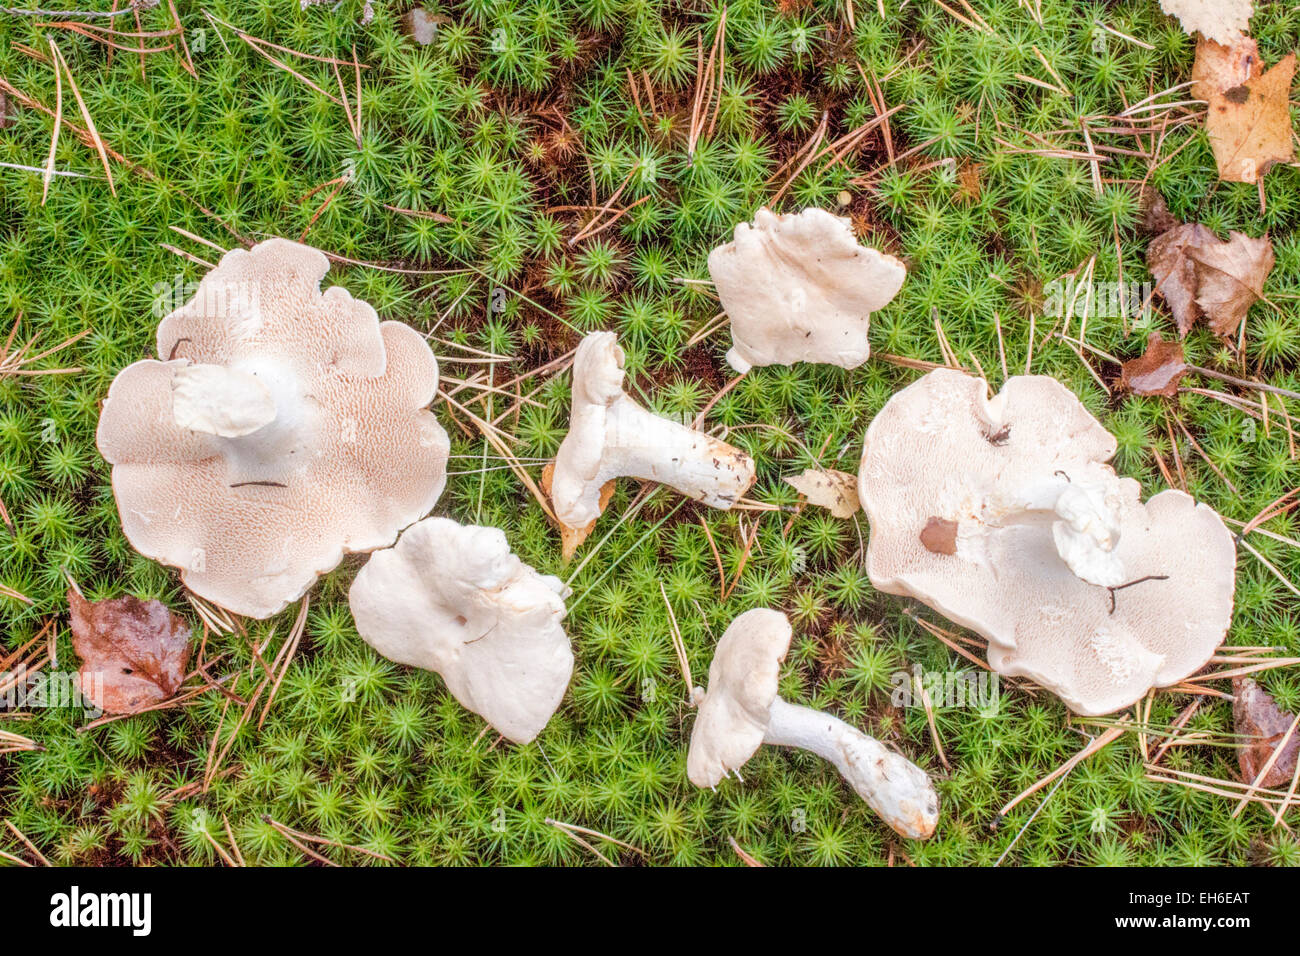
[837,491]
[1204,277]
[1262,726]
[133,653]
[1249,125]
[1157,371]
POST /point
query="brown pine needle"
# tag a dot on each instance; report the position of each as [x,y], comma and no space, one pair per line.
[1095,745]
[747,858]
[58,122]
[27,843]
[294,836]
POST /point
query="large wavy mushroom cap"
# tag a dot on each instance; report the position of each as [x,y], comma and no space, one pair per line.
[281,428]
[798,287]
[453,599]
[1003,515]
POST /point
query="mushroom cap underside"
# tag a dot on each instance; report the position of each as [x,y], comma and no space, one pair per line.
[940,449]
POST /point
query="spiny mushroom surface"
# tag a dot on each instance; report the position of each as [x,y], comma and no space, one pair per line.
[797,287]
[1003,515]
[454,599]
[741,711]
[282,428]
[611,436]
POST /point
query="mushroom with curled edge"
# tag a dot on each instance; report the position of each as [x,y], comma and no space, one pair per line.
[611,436]
[741,711]
[281,428]
[1003,515]
[454,599]
[798,287]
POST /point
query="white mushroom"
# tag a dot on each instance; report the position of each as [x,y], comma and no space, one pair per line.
[282,428]
[1003,515]
[454,599]
[1222,21]
[799,288]
[611,436]
[741,711]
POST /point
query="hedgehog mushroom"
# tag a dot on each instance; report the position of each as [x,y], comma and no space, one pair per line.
[799,288]
[741,711]
[611,436]
[1003,515]
[453,599]
[282,428]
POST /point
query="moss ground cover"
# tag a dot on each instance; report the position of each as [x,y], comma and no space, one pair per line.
[452,187]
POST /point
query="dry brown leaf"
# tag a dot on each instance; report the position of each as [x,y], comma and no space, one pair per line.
[1220,67]
[836,491]
[1203,277]
[1259,719]
[1156,217]
[133,653]
[1219,20]
[939,535]
[1250,125]
[1157,371]
[1232,277]
[969,182]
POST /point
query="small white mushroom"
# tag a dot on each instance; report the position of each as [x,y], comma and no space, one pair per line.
[611,436]
[454,599]
[741,711]
[799,288]
[281,427]
[1003,515]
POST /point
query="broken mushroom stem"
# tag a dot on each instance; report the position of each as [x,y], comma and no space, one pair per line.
[1086,527]
[255,409]
[890,784]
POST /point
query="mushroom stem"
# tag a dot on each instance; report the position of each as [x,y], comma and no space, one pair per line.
[1085,525]
[255,408]
[892,785]
[692,462]
[611,436]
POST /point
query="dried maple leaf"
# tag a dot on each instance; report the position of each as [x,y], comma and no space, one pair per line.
[833,490]
[1262,726]
[1157,371]
[1249,125]
[1219,67]
[1219,20]
[1203,277]
[133,653]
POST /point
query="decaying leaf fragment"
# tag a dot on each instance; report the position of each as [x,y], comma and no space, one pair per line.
[1204,277]
[1249,125]
[836,491]
[1219,20]
[1157,371]
[1219,67]
[133,653]
[1262,726]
